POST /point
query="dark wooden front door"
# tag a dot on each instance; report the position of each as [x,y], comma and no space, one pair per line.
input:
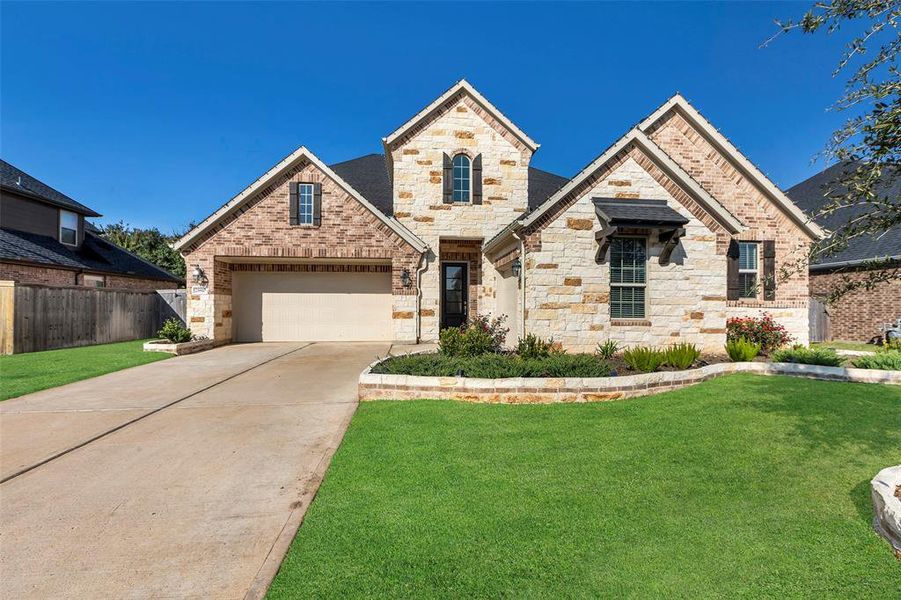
[454,294]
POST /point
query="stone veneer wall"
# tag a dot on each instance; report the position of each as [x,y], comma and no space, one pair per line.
[569,293]
[858,315]
[520,390]
[765,220]
[261,229]
[461,125]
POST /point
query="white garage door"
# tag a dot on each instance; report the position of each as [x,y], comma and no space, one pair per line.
[282,307]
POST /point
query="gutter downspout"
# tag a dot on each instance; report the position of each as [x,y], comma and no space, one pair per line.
[522,284]
[423,264]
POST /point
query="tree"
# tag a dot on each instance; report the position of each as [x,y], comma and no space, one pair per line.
[149,244]
[869,142]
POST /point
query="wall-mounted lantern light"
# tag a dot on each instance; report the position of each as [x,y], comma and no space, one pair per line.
[516,267]
[199,276]
[405,278]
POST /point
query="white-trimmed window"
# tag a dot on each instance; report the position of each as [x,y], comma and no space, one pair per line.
[68,228]
[628,277]
[462,178]
[93,281]
[305,192]
[747,269]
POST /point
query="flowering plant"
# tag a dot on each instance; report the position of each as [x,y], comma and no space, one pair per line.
[762,330]
[481,335]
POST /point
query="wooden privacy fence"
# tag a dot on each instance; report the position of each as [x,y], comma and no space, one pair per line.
[819,321]
[36,317]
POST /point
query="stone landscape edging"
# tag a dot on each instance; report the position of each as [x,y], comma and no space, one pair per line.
[543,390]
[180,348]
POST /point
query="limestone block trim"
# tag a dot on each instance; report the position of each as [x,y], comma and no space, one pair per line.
[519,390]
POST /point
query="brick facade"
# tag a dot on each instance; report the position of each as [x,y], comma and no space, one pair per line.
[261,228]
[858,315]
[26,274]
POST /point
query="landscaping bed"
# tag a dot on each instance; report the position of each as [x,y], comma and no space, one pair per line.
[743,486]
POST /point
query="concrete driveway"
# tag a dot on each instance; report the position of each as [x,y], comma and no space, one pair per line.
[183,478]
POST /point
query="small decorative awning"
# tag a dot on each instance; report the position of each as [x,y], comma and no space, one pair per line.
[616,214]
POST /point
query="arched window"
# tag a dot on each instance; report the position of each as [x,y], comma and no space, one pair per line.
[462,178]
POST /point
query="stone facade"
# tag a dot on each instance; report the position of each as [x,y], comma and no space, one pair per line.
[564,292]
[26,274]
[763,219]
[261,229]
[858,315]
[460,125]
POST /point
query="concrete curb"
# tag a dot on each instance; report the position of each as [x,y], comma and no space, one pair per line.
[595,389]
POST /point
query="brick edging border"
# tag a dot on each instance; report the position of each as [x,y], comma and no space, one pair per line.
[528,390]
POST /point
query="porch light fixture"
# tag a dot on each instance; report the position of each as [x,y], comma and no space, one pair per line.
[405,278]
[516,267]
[199,276]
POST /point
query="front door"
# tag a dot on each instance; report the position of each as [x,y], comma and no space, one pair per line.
[454,294]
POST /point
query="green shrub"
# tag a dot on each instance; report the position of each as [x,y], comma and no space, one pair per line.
[808,356]
[742,349]
[607,349]
[494,366]
[174,331]
[893,344]
[887,360]
[645,360]
[681,356]
[478,336]
[533,346]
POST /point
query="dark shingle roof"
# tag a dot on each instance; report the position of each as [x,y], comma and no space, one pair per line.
[809,196]
[95,254]
[638,212]
[369,176]
[17,180]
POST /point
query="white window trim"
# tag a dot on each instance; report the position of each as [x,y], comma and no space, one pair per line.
[454,178]
[67,212]
[641,285]
[312,188]
[96,278]
[755,270]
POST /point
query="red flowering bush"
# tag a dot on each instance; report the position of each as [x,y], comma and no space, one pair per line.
[764,331]
[480,335]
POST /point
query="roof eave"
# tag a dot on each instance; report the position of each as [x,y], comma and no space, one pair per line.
[33,196]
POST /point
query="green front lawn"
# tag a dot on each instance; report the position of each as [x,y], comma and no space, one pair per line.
[744,486]
[837,345]
[25,373]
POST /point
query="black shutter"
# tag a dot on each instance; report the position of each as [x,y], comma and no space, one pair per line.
[769,270]
[448,180]
[317,204]
[292,205]
[477,180]
[733,289]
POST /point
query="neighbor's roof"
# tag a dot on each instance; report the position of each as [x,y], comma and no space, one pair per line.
[369,176]
[809,195]
[95,254]
[16,180]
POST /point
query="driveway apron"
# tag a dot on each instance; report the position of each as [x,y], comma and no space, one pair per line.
[198,499]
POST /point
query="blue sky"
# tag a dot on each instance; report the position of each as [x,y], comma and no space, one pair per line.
[158,113]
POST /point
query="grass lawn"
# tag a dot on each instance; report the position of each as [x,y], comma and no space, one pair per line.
[859,346]
[25,373]
[744,486]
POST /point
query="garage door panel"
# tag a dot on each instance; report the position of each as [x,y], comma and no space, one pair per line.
[288,306]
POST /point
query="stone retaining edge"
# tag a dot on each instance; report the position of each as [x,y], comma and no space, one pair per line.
[529,390]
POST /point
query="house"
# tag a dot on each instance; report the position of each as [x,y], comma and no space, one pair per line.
[45,239]
[660,239]
[860,314]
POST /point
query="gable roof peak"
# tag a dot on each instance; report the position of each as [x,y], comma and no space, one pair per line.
[461,86]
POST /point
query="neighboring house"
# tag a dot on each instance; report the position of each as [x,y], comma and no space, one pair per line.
[860,314]
[660,239]
[45,239]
